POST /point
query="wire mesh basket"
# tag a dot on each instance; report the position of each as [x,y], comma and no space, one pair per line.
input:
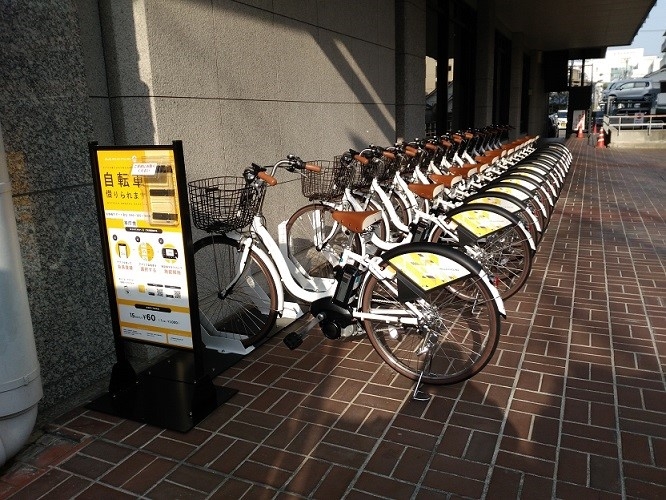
[390,166]
[363,174]
[329,183]
[223,204]
[408,165]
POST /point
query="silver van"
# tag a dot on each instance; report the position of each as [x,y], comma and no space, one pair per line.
[611,86]
[636,89]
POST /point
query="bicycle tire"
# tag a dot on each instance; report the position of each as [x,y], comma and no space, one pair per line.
[249,310]
[312,223]
[518,208]
[537,177]
[463,332]
[505,254]
[532,200]
[549,171]
[538,191]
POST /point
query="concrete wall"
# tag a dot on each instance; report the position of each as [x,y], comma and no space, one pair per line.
[485,56]
[250,81]
[637,139]
[538,97]
[410,68]
[516,86]
[236,81]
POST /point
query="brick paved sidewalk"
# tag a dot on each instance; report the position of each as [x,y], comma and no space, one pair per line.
[571,406]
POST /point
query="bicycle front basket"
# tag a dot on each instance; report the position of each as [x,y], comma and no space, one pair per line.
[364,174]
[327,184]
[222,204]
[386,174]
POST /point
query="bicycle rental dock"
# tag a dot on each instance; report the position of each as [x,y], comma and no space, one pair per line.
[570,404]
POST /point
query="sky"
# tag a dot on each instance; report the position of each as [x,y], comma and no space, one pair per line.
[651,35]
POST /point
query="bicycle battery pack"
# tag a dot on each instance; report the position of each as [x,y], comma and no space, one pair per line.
[349,279]
[420,230]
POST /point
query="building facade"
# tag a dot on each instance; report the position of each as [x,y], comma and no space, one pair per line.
[238,81]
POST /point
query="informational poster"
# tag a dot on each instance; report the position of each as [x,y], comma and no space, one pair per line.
[579,119]
[144,235]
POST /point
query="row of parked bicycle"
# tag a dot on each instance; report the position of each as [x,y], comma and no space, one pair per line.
[415,245]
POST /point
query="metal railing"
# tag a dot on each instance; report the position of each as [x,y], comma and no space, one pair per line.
[639,121]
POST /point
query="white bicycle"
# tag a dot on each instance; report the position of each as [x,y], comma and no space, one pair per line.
[429,310]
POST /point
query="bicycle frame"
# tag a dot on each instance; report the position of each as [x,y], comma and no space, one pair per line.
[416,215]
[281,269]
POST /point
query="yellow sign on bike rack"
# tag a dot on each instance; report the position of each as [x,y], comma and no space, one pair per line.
[481,222]
[428,270]
[499,202]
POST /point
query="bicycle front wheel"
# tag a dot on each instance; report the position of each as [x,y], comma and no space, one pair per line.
[238,301]
[457,320]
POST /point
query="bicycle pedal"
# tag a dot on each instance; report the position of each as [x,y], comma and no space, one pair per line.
[293,340]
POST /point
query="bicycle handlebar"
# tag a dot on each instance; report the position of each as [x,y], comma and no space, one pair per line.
[371,152]
[361,159]
[290,163]
[267,178]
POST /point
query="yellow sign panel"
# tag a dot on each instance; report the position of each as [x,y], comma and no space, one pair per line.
[520,182]
[511,191]
[481,222]
[500,202]
[139,194]
[428,270]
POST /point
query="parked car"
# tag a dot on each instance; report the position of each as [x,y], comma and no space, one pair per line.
[611,86]
[637,89]
[562,119]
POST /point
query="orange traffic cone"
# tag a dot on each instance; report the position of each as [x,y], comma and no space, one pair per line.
[601,143]
[580,131]
[594,129]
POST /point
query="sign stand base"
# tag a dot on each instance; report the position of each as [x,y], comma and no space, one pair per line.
[164,395]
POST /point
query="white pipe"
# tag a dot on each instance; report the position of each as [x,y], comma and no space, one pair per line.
[20,381]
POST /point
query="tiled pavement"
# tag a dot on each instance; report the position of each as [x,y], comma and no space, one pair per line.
[571,406]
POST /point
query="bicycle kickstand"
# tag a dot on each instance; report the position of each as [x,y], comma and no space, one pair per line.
[418,394]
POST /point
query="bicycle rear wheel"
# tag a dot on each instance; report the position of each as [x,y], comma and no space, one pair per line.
[513,205]
[505,253]
[459,325]
[248,309]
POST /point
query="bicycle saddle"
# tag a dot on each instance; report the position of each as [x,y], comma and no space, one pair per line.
[357,222]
